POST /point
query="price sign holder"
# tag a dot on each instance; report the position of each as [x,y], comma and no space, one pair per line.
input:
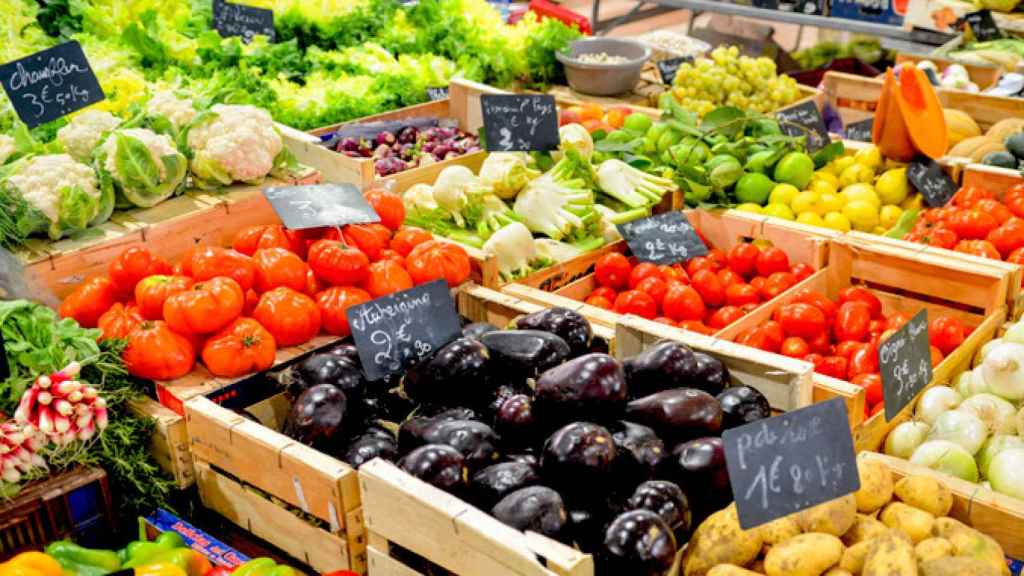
[982,25]
[319,205]
[905,361]
[241,20]
[397,331]
[860,131]
[791,462]
[520,122]
[663,239]
[808,116]
[668,68]
[931,181]
[50,83]
[437,93]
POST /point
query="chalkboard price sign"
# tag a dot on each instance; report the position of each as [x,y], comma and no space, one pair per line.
[983,26]
[437,93]
[241,20]
[931,181]
[663,239]
[668,68]
[399,330]
[804,120]
[905,361]
[318,205]
[860,131]
[50,83]
[785,464]
[520,122]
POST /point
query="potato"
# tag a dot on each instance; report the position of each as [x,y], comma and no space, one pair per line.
[720,540]
[875,486]
[932,548]
[757,566]
[853,557]
[915,522]
[967,541]
[957,566]
[864,528]
[925,493]
[779,530]
[837,572]
[731,570]
[834,517]
[808,554]
[890,555]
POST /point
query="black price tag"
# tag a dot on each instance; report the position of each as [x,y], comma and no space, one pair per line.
[663,239]
[437,93]
[860,131]
[804,120]
[668,68]
[520,122]
[983,26]
[768,4]
[318,205]
[931,181]
[50,83]
[396,331]
[785,464]
[241,20]
[905,361]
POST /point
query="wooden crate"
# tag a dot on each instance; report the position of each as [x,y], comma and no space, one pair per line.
[169,444]
[984,76]
[997,515]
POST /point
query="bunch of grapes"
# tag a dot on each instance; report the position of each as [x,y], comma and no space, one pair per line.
[728,79]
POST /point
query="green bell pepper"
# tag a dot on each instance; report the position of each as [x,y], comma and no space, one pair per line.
[83,561]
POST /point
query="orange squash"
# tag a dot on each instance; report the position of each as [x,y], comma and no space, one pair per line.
[922,113]
[889,131]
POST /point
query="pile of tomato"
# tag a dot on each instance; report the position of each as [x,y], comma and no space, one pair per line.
[841,337]
[705,295]
[976,222]
[234,307]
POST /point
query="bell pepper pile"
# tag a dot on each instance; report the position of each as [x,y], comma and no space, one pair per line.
[234,307]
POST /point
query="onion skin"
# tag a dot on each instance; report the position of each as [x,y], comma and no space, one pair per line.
[1006,472]
[1003,369]
[905,438]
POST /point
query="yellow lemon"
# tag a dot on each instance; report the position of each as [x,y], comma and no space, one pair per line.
[778,211]
[840,164]
[862,215]
[870,157]
[914,202]
[829,202]
[804,202]
[880,230]
[810,218]
[827,177]
[783,194]
[750,207]
[836,221]
[892,186]
[861,191]
[856,173]
[822,187]
[889,215]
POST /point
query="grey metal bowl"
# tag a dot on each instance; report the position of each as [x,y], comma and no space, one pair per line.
[604,79]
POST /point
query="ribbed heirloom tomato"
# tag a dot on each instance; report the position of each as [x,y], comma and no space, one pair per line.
[636,302]
[133,265]
[211,261]
[152,291]
[89,301]
[242,347]
[278,267]
[206,307]
[333,302]
[437,260]
[388,206]
[292,317]
[338,264]
[156,352]
[370,238]
[119,321]
[408,238]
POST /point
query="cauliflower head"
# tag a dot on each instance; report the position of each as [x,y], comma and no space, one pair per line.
[143,166]
[63,195]
[85,131]
[7,148]
[233,143]
[179,111]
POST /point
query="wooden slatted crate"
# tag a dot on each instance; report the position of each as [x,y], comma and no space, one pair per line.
[169,444]
[984,76]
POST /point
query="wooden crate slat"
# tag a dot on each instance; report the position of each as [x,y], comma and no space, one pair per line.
[380,564]
[169,443]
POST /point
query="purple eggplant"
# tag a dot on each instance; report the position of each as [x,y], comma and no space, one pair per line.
[665,499]
[366,447]
[490,485]
[663,366]
[411,432]
[476,441]
[570,325]
[579,458]
[477,329]
[514,421]
[534,508]
[459,373]
[711,376]
[521,354]
[698,467]
[638,543]
[742,405]
[327,368]
[591,386]
[640,451]
[438,465]
[678,414]
[317,416]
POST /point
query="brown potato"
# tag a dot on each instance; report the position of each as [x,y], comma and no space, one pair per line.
[957,566]
[808,554]
[864,528]
[837,572]
[890,555]
[731,570]
[875,486]
[925,493]
[834,517]
[914,522]
[932,548]
[720,540]
[967,541]
[779,530]
[853,557]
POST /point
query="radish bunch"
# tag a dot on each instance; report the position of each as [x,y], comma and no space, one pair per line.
[63,408]
[19,446]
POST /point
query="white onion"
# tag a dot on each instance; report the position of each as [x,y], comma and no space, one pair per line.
[1015,333]
[1003,369]
[1006,472]
[1020,422]
[905,438]
[946,457]
[970,383]
[984,350]
[935,401]
[998,415]
[963,428]
[993,446]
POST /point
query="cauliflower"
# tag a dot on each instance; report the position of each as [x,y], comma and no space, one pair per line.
[85,131]
[62,195]
[144,166]
[233,143]
[7,148]
[179,111]
[507,173]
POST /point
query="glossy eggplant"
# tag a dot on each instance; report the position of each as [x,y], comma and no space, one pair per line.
[411,432]
[438,465]
[640,451]
[599,345]
[711,376]
[347,351]
[638,543]
[327,368]
[496,481]
[586,526]
[477,329]
[699,468]
[742,405]
[524,457]
[667,500]
[678,414]
[579,457]
[514,421]
[366,447]
[476,441]
[663,366]
[524,353]
[317,415]
[592,386]
[571,326]
[536,508]
[458,373]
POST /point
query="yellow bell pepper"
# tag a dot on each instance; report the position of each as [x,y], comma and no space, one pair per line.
[31,564]
[159,569]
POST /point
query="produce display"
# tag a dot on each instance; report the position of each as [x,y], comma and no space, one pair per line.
[729,79]
[864,48]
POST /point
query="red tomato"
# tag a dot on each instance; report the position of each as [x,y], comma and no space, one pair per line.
[742,259]
[710,288]
[896,321]
[982,248]
[1015,203]
[795,347]
[210,262]
[408,238]
[133,265]
[821,344]
[758,283]
[864,360]
[757,338]
[388,206]
[847,347]
[872,384]
[1008,237]
[772,288]
[277,267]
[370,238]
[724,316]
[612,270]
[994,208]
[946,333]
[683,303]
[776,336]
[852,321]
[968,196]
[740,294]
[700,263]
[386,277]
[864,295]
[814,358]
[972,224]
[717,258]
[636,302]
[803,320]
[333,302]
[1017,257]
[696,326]
[337,264]
[748,308]
[818,300]
[605,292]
[654,287]
[772,260]
[728,277]
[643,270]
[437,260]
[785,278]
[598,301]
[801,271]
[834,366]
[941,238]
[674,273]
[937,356]
[89,301]
[877,326]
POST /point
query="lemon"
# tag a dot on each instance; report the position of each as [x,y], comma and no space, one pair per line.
[840,164]
[827,177]
[862,215]
[863,192]
[810,218]
[754,187]
[795,168]
[836,221]
[870,157]
[912,202]
[822,187]
[783,194]
[804,202]
[829,202]
[879,230]
[892,186]
[856,173]
[778,211]
[889,215]
[750,207]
